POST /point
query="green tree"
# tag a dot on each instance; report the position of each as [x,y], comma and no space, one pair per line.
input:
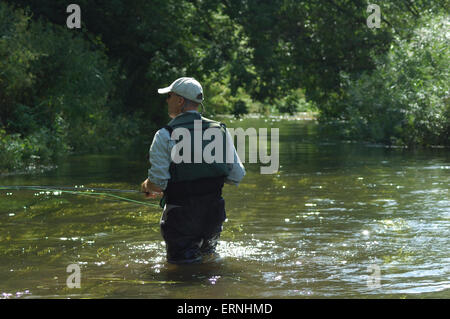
[406,100]
[52,87]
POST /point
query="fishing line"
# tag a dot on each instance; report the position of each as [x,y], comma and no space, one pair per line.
[71,188]
[87,191]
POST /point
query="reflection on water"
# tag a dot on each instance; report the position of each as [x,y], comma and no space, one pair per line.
[315,229]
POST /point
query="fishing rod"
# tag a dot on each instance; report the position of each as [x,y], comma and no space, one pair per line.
[82,191]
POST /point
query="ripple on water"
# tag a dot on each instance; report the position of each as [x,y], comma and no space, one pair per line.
[253,250]
[240,250]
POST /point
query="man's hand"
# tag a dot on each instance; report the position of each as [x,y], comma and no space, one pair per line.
[150,189]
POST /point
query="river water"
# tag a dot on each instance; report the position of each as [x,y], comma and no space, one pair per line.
[338,220]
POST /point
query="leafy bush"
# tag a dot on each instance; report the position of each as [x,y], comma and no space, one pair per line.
[218,98]
[294,102]
[239,108]
[405,100]
[54,93]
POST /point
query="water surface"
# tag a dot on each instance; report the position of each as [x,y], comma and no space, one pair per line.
[338,220]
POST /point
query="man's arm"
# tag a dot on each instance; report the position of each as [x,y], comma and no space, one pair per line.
[158,174]
[150,189]
[237,170]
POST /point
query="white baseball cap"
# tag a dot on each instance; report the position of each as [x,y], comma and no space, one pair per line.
[188,88]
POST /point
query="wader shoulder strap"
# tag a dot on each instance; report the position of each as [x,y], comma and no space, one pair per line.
[169,128]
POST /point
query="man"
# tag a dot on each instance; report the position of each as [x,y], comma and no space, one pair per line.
[194,209]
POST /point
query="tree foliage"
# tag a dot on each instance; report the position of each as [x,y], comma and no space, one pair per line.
[92,88]
[407,99]
[54,90]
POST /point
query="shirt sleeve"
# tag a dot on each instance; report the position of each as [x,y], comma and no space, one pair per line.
[237,170]
[158,173]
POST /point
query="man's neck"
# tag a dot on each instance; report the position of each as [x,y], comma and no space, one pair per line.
[186,111]
[195,109]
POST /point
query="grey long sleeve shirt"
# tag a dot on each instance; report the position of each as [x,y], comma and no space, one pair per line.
[160,158]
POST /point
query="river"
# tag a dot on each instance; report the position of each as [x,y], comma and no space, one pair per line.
[338,220]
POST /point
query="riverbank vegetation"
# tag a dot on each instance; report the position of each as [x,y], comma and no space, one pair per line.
[94,89]
[406,99]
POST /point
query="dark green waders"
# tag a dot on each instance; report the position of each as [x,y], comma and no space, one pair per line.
[192,230]
[194,209]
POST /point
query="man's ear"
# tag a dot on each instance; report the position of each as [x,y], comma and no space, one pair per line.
[180,100]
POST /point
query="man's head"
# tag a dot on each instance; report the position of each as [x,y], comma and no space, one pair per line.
[184,94]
